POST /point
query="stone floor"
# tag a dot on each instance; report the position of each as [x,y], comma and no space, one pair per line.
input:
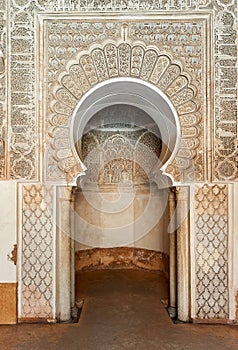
[121,310]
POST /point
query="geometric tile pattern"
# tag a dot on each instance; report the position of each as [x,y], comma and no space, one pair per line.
[211,244]
[37,252]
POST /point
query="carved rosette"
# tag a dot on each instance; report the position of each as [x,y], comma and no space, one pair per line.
[124,59]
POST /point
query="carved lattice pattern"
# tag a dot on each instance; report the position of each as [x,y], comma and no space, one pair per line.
[37,252]
[117,154]
[211,231]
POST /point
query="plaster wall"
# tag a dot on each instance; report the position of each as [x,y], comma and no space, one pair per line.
[8,238]
[8,230]
[143,223]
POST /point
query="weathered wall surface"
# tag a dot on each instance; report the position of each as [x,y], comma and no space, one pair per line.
[36,270]
[121,258]
[181,36]
[8,224]
[8,238]
[141,224]
[42,44]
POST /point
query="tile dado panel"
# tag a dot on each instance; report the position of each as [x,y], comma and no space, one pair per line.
[24,135]
[36,271]
[211,252]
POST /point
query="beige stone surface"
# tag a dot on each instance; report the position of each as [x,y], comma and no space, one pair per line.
[52,54]
[132,218]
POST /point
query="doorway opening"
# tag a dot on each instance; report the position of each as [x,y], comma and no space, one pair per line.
[121,214]
[121,204]
[125,132]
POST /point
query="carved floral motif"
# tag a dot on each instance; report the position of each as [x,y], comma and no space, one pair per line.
[125,59]
[187,45]
[114,155]
[64,42]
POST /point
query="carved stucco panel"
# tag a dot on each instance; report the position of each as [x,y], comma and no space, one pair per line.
[165,69]
[23,131]
[24,135]
[37,257]
[226,137]
[211,251]
[24,119]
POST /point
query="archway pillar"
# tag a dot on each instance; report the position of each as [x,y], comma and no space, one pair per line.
[172,253]
[64,258]
[183,258]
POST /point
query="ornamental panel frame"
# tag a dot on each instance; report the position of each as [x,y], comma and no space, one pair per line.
[195,140]
[22,154]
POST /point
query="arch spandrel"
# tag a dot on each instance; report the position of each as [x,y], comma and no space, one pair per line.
[124,59]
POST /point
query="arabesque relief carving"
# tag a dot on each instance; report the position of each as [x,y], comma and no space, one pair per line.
[24,117]
[184,49]
[124,59]
[112,154]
